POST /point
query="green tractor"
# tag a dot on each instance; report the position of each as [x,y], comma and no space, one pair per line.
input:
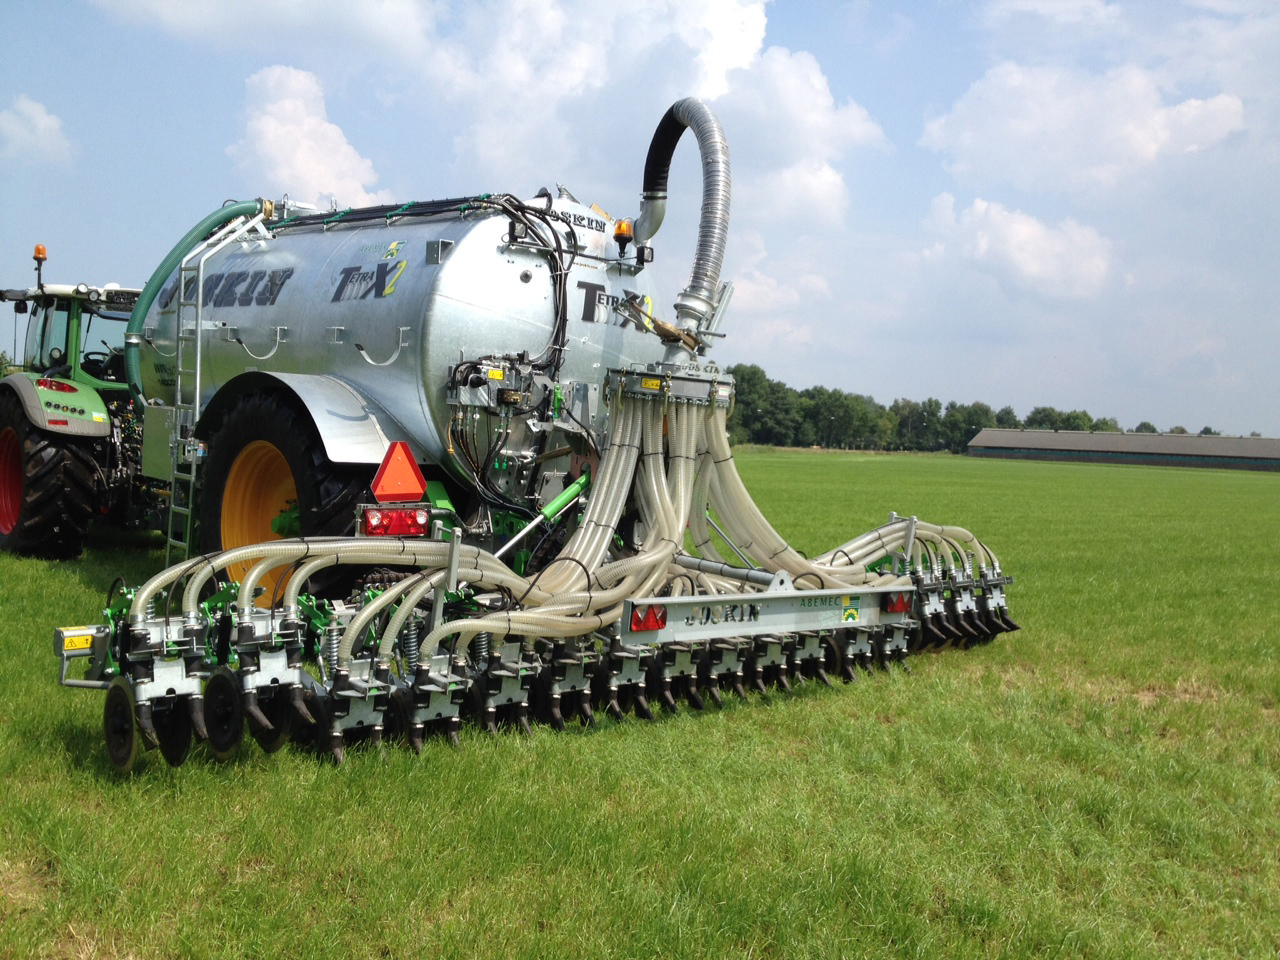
[67,424]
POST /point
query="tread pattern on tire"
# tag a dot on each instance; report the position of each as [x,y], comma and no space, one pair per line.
[327,492]
[57,489]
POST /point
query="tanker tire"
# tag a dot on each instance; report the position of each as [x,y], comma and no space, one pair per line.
[327,493]
[46,487]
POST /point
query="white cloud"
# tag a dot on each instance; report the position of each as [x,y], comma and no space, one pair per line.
[1047,128]
[31,134]
[727,35]
[1069,260]
[511,76]
[790,134]
[523,48]
[775,301]
[401,27]
[291,144]
[811,191]
[1060,12]
[786,96]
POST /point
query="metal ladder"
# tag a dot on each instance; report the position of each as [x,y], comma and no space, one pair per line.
[186,452]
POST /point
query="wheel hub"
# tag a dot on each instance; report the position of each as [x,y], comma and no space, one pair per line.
[10,479]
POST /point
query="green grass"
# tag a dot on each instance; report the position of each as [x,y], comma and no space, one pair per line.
[1102,784]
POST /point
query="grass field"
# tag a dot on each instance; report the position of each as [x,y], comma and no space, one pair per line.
[1102,784]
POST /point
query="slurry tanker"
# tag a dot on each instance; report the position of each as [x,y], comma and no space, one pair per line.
[431,461]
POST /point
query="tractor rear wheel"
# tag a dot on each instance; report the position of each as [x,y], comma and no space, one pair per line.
[266,460]
[46,487]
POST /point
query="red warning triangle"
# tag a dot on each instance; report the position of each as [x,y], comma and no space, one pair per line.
[398,479]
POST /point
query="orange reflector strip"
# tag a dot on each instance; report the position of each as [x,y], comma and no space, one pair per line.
[398,479]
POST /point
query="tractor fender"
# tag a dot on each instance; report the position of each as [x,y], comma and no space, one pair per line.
[94,422]
[352,428]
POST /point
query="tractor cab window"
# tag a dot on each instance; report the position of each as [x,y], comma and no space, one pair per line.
[102,344]
[47,334]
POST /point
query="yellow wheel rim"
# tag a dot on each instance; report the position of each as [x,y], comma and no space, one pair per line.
[259,488]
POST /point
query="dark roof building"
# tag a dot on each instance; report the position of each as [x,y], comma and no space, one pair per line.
[1159,449]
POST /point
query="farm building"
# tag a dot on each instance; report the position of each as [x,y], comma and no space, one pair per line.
[1159,449]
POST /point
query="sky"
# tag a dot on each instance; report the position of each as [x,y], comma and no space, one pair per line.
[1068,203]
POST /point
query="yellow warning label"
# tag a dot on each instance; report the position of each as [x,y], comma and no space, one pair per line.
[495,374]
[650,383]
[79,641]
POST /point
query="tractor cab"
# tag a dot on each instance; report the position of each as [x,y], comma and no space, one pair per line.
[76,332]
[67,431]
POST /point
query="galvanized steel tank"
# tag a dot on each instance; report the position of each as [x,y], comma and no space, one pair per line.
[389,304]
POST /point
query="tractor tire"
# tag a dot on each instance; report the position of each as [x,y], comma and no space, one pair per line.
[46,487]
[263,456]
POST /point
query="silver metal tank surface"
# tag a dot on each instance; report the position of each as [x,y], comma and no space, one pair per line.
[418,295]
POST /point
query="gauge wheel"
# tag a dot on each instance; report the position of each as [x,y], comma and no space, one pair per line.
[223,713]
[120,725]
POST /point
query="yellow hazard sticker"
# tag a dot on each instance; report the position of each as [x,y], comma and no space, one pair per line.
[99,418]
[650,383]
[495,374]
[77,641]
[850,610]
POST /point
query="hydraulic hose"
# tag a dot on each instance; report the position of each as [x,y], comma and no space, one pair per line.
[132,357]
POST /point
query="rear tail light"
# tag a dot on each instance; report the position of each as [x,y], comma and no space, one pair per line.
[647,618]
[897,603]
[58,386]
[396,521]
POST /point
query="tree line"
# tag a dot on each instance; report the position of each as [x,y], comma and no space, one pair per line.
[770,412]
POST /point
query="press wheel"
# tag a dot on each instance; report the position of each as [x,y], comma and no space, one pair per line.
[120,725]
[281,713]
[398,716]
[223,713]
[173,731]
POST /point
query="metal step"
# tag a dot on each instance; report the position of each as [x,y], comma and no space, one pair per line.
[185,456]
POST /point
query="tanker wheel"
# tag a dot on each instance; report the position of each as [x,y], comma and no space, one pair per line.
[265,460]
[223,713]
[173,730]
[120,725]
[280,712]
[46,487]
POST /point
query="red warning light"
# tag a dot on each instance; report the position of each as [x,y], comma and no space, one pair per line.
[398,479]
[645,619]
[897,603]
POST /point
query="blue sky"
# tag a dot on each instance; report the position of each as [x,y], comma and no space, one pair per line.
[1025,202]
